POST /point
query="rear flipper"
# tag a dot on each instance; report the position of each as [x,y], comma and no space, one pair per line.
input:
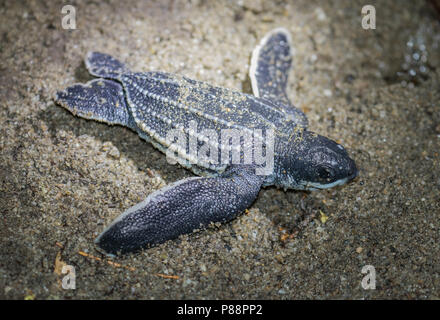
[180,208]
[103,65]
[100,99]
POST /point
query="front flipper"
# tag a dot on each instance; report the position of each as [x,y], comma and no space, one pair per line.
[100,99]
[180,208]
[270,66]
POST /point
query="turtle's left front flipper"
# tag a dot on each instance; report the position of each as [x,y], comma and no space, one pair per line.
[270,66]
[180,208]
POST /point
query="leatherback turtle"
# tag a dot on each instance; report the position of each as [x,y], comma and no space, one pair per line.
[153,104]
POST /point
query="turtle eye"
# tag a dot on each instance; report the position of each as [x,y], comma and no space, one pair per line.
[325,173]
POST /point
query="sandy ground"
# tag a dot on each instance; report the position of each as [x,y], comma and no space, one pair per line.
[63,179]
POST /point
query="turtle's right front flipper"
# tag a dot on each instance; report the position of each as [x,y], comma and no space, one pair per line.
[180,208]
[100,99]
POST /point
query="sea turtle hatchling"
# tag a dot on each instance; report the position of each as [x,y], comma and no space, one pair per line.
[156,103]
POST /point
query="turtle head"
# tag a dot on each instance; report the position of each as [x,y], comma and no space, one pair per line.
[315,162]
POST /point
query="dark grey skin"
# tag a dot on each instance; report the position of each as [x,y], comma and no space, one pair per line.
[152,103]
